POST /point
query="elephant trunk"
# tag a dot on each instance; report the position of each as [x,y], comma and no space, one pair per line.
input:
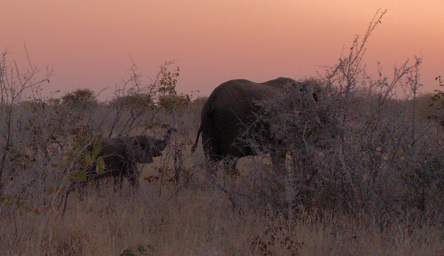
[161,144]
[168,134]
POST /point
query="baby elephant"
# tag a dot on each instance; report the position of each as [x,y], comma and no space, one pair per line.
[120,157]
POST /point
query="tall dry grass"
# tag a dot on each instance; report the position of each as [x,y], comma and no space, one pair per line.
[373,186]
[199,222]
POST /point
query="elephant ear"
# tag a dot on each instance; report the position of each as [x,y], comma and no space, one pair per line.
[148,158]
[142,149]
[306,90]
[134,146]
[138,142]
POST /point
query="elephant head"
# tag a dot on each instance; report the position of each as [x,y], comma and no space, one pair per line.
[159,145]
[146,147]
[305,114]
[308,89]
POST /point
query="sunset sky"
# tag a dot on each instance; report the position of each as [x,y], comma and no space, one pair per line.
[91,44]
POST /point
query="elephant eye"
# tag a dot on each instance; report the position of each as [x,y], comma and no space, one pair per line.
[303,88]
[315,97]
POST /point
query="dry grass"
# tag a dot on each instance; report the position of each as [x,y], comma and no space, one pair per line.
[200,222]
[375,188]
[198,218]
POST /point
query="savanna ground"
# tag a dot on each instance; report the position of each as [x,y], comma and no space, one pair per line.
[376,188]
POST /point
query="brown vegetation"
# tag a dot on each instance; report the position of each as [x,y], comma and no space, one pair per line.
[375,188]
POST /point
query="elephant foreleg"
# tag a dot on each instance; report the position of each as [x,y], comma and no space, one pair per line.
[121,181]
[211,168]
[118,181]
[81,189]
[278,162]
[230,166]
[115,183]
[230,170]
[98,185]
[133,179]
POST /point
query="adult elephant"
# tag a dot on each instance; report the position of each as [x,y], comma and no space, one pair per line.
[236,121]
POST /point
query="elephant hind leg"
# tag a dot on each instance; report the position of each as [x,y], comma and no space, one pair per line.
[118,181]
[230,170]
[278,158]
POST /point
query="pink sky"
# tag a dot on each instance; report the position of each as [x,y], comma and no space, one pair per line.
[90,44]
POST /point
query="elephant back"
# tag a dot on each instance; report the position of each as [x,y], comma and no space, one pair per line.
[229,112]
[240,92]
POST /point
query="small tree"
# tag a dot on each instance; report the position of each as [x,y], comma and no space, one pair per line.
[169,99]
[173,102]
[15,83]
[437,104]
[80,98]
[168,80]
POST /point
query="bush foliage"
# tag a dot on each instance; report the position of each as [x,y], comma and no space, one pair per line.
[364,170]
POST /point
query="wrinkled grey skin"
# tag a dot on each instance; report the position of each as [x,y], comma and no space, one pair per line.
[122,154]
[228,120]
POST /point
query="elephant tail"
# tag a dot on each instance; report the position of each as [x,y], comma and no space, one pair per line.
[197,138]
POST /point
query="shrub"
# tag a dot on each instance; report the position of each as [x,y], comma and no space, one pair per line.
[174,102]
[134,101]
[81,98]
